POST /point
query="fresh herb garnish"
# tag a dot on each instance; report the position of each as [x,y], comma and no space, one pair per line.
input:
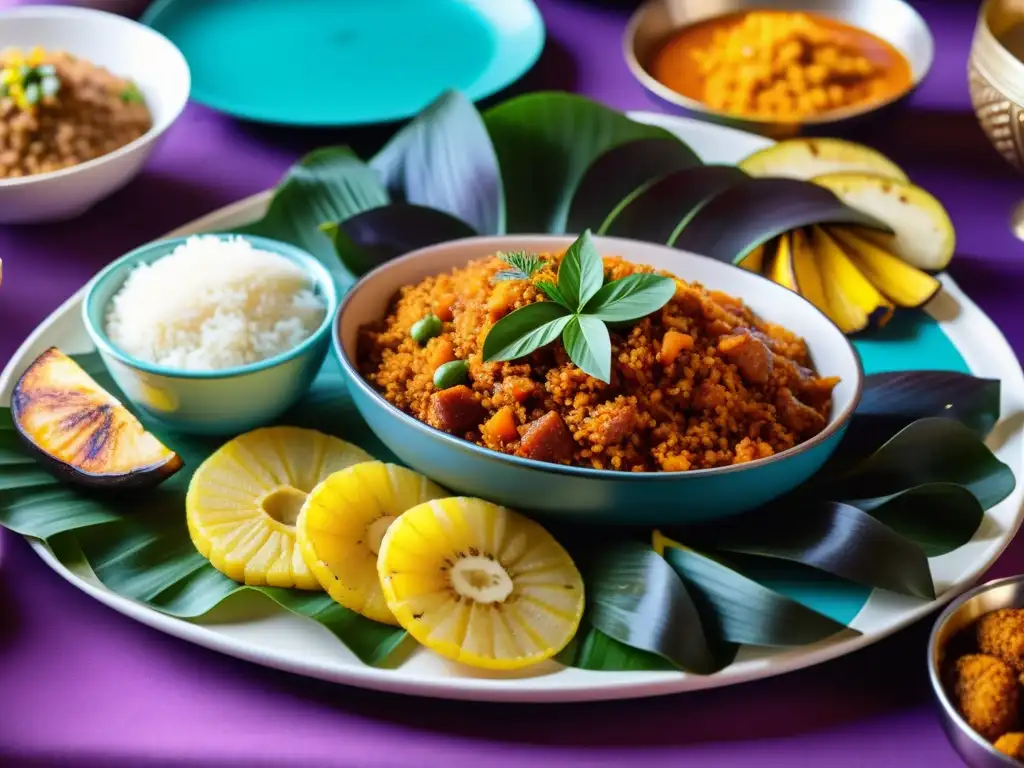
[523,265]
[27,80]
[580,305]
[131,94]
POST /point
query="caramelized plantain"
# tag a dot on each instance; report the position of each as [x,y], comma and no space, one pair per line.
[82,432]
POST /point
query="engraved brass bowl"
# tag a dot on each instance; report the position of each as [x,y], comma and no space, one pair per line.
[995,77]
[892,20]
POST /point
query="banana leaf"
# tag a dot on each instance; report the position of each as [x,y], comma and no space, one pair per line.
[619,175]
[138,545]
[444,159]
[329,184]
[373,237]
[753,211]
[545,142]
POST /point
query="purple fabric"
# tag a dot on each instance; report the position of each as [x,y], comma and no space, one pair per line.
[82,684]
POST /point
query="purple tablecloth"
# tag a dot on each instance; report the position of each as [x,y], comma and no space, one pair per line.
[82,684]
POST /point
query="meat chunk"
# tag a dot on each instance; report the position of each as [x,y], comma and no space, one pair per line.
[547,439]
[615,421]
[801,418]
[455,410]
[750,355]
[709,396]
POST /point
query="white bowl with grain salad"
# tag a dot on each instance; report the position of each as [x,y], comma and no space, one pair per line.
[57,167]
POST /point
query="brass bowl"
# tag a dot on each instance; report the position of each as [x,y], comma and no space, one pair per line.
[892,20]
[1002,593]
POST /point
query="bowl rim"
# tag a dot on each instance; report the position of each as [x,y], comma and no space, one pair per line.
[837,423]
[935,673]
[309,264]
[662,91]
[155,131]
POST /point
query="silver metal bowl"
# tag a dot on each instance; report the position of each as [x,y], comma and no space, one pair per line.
[892,20]
[1002,593]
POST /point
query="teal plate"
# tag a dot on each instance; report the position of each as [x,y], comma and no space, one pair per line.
[347,62]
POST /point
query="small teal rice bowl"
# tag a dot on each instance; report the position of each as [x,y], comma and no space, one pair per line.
[218,402]
[569,493]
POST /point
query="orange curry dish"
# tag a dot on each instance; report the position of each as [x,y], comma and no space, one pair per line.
[780,65]
[700,383]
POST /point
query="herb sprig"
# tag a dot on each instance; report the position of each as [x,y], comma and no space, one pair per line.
[523,265]
[581,304]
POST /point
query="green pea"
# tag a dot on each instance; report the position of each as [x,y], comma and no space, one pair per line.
[426,329]
[450,374]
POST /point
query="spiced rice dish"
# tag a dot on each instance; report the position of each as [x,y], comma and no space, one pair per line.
[700,383]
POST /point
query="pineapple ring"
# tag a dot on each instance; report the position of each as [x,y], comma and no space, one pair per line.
[341,526]
[480,584]
[243,501]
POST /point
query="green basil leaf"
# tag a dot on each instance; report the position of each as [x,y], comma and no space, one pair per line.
[589,346]
[581,272]
[636,598]
[444,159]
[631,297]
[747,612]
[938,517]
[524,330]
[830,536]
[551,291]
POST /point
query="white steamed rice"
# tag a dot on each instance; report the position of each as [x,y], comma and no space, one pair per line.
[212,304]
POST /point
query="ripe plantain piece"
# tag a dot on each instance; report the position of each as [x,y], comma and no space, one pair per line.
[810,157]
[780,267]
[904,285]
[924,235]
[806,271]
[853,302]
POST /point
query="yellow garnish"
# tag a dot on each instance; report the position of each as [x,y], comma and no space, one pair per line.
[26,80]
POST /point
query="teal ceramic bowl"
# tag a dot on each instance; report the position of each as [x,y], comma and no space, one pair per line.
[601,496]
[221,402]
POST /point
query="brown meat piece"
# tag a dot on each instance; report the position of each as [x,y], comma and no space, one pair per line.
[750,355]
[799,417]
[455,410]
[709,396]
[547,439]
[1001,634]
[986,694]
[619,424]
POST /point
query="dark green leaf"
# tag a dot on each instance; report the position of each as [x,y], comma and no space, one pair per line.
[581,272]
[631,297]
[755,210]
[658,212]
[327,185]
[371,238]
[595,650]
[928,451]
[551,291]
[588,345]
[748,612]
[545,142]
[939,517]
[832,537]
[617,176]
[444,159]
[521,332]
[634,597]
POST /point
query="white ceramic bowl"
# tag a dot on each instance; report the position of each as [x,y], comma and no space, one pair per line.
[127,49]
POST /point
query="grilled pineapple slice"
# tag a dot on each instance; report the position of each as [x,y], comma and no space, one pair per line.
[82,432]
[342,523]
[480,584]
[243,501]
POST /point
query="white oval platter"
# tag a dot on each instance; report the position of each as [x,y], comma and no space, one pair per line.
[258,633]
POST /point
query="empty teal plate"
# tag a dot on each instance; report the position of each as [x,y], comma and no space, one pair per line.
[347,62]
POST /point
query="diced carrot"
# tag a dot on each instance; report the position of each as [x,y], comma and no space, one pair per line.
[443,307]
[443,352]
[501,301]
[501,427]
[673,344]
[519,387]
